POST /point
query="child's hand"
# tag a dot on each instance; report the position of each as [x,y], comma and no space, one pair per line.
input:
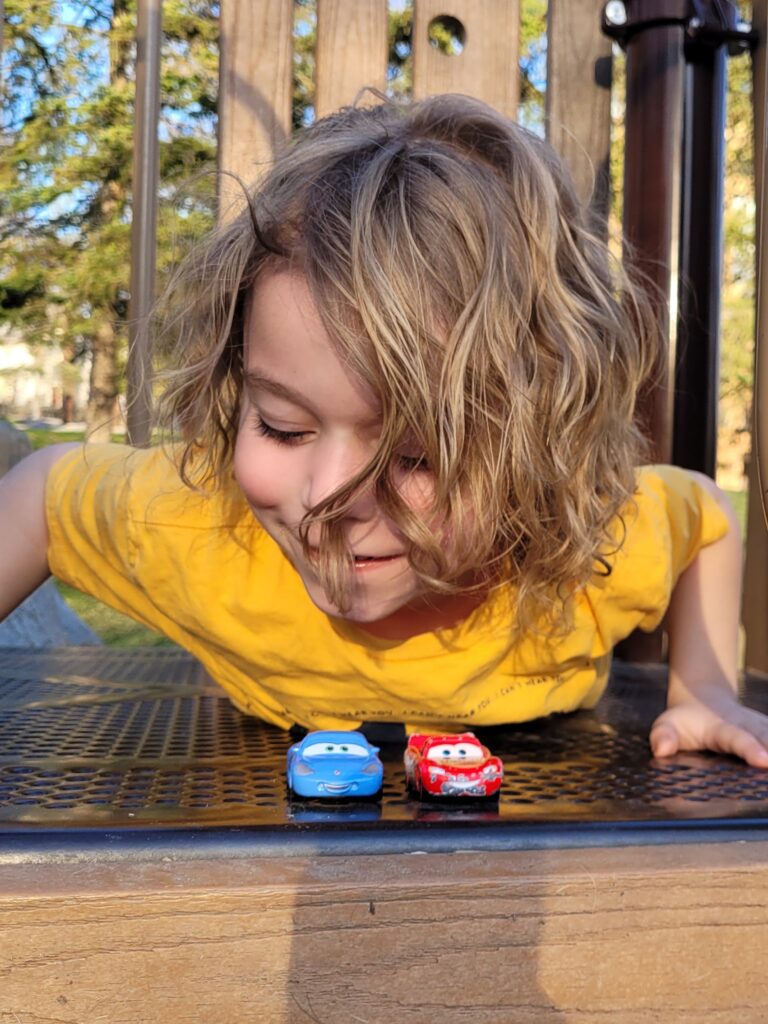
[718,722]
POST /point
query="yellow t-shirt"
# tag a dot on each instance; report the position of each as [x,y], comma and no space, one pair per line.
[202,570]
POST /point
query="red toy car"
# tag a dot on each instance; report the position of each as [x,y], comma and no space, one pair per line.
[452,766]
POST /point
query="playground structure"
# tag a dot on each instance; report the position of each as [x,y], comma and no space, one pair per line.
[676,54]
[133,884]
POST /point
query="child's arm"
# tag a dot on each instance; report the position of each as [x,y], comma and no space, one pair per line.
[703,711]
[23,526]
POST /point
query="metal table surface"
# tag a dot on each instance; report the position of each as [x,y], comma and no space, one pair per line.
[131,753]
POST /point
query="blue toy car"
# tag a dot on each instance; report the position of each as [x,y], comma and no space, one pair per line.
[333,764]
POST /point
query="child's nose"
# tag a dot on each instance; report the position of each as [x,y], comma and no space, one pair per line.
[332,466]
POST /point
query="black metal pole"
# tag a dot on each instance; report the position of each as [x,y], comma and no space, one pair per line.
[655,66]
[697,362]
[651,189]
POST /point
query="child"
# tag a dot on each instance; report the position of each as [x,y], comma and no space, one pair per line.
[406,486]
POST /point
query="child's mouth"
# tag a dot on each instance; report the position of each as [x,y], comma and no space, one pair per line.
[364,562]
[367,561]
[371,561]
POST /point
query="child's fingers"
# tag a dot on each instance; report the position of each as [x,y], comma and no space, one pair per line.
[731,739]
[680,728]
[664,739]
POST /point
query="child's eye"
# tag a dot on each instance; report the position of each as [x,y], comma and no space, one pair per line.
[281,436]
[412,462]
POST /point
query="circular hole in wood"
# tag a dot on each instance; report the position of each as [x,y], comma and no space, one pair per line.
[447,34]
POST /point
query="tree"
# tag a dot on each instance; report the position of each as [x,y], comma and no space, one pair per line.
[65,175]
[738,299]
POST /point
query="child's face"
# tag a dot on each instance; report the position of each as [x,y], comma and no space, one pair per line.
[306,427]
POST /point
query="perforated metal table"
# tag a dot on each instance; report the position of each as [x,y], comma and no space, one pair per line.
[123,750]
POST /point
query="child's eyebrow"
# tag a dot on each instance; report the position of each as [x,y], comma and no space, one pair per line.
[257,381]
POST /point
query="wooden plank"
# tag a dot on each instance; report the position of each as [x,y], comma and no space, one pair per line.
[755,602]
[254,88]
[488,65]
[755,613]
[632,935]
[578,100]
[351,51]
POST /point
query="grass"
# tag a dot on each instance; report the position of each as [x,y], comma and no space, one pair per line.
[41,438]
[739,499]
[115,629]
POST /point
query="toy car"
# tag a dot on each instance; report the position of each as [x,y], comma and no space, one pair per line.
[334,764]
[451,766]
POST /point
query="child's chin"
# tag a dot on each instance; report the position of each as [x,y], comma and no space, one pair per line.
[362,616]
[358,612]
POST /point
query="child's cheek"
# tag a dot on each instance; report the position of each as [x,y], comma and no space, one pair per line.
[258,472]
[417,492]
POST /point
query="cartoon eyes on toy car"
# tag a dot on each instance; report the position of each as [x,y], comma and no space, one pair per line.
[353,749]
[331,764]
[457,753]
[451,766]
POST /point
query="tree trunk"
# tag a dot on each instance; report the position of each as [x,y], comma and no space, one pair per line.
[100,416]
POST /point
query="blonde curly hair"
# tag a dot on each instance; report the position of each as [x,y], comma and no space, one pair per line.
[455,270]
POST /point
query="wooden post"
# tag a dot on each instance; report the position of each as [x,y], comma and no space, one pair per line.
[486,67]
[254,91]
[755,614]
[579,97]
[351,51]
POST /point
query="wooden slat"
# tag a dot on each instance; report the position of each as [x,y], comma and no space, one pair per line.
[351,51]
[254,87]
[633,935]
[755,612]
[579,96]
[488,66]
[755,604]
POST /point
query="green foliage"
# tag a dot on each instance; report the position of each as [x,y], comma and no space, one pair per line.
[66,170]
[738,319]
[66,165]
[739,500]
[304,38]
[533,35]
